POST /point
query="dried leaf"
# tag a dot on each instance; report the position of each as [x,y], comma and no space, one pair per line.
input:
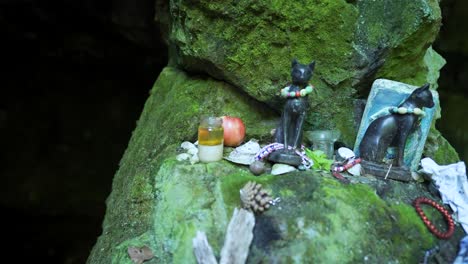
[140,254]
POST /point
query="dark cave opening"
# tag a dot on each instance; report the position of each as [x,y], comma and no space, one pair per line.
[72,93]
[452,44]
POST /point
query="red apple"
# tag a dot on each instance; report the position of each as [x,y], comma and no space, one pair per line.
[234,131]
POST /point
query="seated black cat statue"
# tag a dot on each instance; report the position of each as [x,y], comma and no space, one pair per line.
[289,131]
[392,130]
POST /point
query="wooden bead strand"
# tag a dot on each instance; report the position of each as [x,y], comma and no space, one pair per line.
[451,225]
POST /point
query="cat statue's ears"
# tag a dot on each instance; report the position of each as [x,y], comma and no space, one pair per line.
[311,65]
[294,63]
[425,86]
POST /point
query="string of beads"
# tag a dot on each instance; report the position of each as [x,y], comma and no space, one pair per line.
[268,149]
[303,92]
[451,225]
[336,169]
[406,110]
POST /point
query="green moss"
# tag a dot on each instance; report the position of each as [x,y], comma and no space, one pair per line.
[286,193]
[388,23]
[318,217]
[194,197]
[251,44]
[324,218]
[337,110]
[284,30]
[231,184]
[121,255]
[184,250]
[179,101]
[171,115]
[412,228]
[186,198]
[407,34]
[418,24]
[434,62]
[259,39]
[439,149]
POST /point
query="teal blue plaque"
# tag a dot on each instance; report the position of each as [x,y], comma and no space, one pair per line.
[386,93]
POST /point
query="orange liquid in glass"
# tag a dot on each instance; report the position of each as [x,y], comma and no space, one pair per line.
[210,136]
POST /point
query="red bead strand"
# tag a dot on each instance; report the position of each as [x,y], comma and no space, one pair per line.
[427,222]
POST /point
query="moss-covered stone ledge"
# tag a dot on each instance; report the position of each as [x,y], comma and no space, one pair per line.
[170,116]
[143,206]
[247,47]
[319,220]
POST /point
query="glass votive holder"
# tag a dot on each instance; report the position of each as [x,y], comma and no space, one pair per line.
[323,140]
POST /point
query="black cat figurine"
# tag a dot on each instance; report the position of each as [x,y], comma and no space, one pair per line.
[289,131]
[393,130]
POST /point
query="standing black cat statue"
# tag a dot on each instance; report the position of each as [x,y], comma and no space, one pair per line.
[392,130]
[289,131]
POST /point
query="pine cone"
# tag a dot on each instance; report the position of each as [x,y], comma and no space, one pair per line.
[254,198]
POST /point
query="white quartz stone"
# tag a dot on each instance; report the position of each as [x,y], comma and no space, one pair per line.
[279,168]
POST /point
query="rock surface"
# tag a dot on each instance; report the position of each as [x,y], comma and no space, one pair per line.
[171,116]
[235,57]
[251,43]
[318,220]
[279,168]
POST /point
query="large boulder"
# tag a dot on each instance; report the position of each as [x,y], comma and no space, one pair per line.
[251,43]
[171,115]
[231,58]
[319,219]
[159,202]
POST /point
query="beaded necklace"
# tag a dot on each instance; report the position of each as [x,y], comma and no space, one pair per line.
[398,110]
[406,110]
[268,149]
[302,93]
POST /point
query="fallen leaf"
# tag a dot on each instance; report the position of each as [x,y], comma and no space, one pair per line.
[140,254]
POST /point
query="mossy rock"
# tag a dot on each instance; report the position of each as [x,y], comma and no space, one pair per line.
[251,43]
[319,219]
[235,57]
[438,148]
[171,115]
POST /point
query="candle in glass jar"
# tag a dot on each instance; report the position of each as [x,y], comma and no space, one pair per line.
[210,139]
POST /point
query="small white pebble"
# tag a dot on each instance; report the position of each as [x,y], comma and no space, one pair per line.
[187,145]
[194,159]
[183,156]
[193,151]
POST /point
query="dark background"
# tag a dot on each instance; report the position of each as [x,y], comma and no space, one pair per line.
[74,81]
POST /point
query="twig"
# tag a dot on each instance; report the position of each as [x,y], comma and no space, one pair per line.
[239,235]
[203,251]
[389,167]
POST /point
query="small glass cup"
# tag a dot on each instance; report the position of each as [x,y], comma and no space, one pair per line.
[323,140]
